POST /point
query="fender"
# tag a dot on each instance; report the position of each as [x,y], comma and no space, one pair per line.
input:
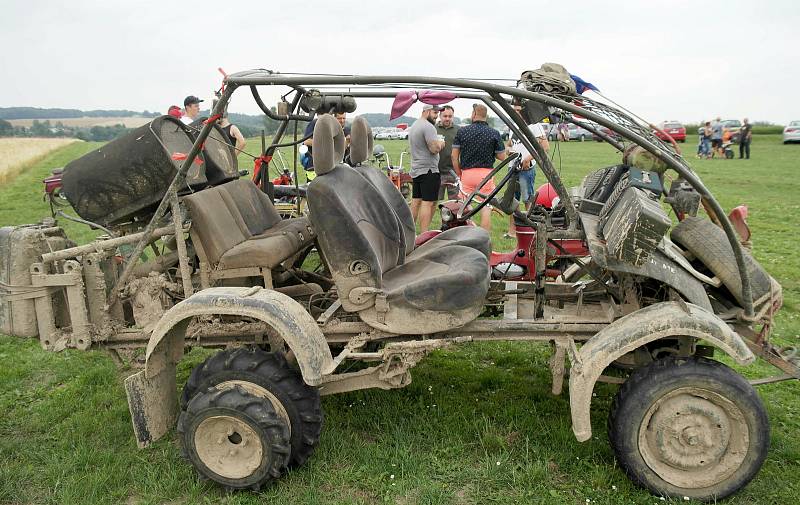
[152,392]
[667,319]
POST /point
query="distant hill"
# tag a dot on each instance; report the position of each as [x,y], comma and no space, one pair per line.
[379,119]
[55,113]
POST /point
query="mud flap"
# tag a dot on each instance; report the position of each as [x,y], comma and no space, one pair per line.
[153,403]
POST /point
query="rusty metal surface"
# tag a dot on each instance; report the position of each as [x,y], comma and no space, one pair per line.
[152,392]
[394,371]
[634,330]
[658,266]
[153,404]
[283,315]
[694,438]
[104,245]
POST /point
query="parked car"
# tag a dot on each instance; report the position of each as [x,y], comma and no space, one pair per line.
[614,135]
[578,133]
[733,126]
[674,129]
[383,135]
[575,132]
[398,134]
[792,132]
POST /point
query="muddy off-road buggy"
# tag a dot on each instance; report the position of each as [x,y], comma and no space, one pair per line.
[346,298]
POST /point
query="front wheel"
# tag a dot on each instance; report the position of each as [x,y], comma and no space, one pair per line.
[265,375]
[234,438]
[689,427]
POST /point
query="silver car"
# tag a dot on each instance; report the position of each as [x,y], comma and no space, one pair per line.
[575,132]
[791,133]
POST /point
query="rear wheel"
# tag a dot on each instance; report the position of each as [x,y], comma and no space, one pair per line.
[689,427]
[234,438]
[265,375]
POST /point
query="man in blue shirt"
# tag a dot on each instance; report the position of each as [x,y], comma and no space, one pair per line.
[474,150]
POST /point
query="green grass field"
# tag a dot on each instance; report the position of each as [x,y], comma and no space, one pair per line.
[477,425]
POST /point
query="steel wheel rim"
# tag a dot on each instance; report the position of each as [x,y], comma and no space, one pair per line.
[228,446]
[261,392]
[694,438]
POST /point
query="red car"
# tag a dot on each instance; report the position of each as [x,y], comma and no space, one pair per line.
[610,133]
[674,129]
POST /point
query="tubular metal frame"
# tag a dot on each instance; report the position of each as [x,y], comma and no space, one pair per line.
[490,94]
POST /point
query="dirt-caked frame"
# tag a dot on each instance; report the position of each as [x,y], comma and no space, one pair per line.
[496,97]
[151,391]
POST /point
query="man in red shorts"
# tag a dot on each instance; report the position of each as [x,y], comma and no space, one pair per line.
[474,150]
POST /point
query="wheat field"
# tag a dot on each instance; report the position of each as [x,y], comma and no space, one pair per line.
[17,153]
[87,122]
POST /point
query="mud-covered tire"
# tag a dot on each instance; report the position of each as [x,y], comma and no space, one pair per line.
[622,185]
[688,427]
[709,244]
[271,376]
[234,438]
[593,181]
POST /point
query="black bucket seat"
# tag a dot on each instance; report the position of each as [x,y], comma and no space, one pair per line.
[364,244]
[361,144]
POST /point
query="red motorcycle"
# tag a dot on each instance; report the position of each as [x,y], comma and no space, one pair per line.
[520,263]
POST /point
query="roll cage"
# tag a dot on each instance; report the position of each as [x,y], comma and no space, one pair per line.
[496,97]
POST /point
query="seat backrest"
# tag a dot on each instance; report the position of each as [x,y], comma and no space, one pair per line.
[252,205]
[358,232]
[361,144]
[227,215]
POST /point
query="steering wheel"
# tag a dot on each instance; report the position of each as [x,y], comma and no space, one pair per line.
[487,198]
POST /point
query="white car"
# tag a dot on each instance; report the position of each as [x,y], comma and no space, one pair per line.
[792,132]
[383,135]
[398,134]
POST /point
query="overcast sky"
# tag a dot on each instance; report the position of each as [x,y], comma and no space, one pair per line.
[685,60]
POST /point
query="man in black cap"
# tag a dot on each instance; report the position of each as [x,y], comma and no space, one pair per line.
[191,109]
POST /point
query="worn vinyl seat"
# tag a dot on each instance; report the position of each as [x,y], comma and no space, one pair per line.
[235,225]
[361,143]
[363,243]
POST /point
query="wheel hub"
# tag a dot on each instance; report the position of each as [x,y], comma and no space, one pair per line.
[693,437]
[261,392]
[228,446]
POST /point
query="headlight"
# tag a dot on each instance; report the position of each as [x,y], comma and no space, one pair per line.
[447,214]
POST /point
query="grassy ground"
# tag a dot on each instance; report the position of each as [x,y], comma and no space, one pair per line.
[477,425]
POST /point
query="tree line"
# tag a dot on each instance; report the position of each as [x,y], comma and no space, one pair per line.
[250,126]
